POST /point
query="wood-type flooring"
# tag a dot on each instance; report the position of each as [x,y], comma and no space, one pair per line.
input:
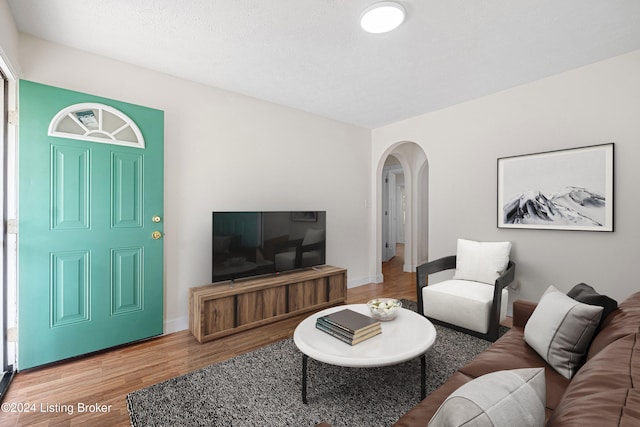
[92,390]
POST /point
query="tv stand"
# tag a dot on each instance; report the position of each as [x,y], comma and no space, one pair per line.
[217,310]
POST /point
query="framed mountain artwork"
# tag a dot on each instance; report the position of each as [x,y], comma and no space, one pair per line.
[568,189]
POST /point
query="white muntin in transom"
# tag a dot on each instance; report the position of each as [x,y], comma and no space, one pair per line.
[97,123]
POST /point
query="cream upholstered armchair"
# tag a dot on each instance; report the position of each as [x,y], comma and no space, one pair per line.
[475,300]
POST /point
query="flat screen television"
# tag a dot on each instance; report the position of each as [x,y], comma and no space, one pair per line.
[249,244]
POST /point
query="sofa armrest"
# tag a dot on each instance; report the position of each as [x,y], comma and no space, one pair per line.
[522,311]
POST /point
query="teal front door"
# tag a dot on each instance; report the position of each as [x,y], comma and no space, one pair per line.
[90,223]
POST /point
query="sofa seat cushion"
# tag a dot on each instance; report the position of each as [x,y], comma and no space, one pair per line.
[463,303]
[623,321]
[620,407]
[512,352]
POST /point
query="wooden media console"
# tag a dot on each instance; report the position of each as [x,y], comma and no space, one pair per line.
[217,310]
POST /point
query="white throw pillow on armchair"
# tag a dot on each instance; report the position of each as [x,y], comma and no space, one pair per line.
[481,261]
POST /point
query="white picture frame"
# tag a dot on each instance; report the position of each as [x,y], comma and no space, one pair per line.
[569,189]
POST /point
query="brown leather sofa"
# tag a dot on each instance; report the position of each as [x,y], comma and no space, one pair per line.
[602,393]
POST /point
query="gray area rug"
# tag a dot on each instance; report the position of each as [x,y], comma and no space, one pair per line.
[263,388]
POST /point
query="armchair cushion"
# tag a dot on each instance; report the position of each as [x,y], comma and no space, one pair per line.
[462,302]
[560,330]
[497,399]
[481,261]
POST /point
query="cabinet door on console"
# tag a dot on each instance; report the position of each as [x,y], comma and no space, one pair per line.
[307,293]
[337,287]
[218,315]
[260,305]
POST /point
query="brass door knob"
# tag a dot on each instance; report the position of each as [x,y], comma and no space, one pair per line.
[156,235]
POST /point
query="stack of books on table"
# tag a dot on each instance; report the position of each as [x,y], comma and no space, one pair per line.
[349,326]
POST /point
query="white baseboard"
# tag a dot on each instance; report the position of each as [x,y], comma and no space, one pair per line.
[176,325]
[409,268]
[352,283]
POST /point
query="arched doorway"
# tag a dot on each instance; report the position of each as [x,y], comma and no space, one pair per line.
[411,160]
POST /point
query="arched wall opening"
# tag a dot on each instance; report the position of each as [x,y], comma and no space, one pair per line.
[413,161]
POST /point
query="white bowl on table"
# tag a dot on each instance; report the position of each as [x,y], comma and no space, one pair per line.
[384,309]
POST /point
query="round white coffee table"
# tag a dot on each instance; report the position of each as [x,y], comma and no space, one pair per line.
[406,337]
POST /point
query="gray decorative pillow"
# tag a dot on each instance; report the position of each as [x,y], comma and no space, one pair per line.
[586,294]
[560,330]
[499,399]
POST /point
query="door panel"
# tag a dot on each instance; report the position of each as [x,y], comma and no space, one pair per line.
[90,272]
[69,288]
[69,186]
[127,190]
[126,264]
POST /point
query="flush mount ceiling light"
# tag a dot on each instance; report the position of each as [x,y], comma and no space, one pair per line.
[382,17]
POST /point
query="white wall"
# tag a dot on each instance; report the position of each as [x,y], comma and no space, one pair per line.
[592,105]
[8,38]
[210,132]
[287,159]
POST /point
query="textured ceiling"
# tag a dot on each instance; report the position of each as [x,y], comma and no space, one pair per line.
[311,54]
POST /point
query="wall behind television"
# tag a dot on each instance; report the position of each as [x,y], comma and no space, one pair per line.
[596,104]
[225,151]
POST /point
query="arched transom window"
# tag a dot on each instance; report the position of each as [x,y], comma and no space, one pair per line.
[98,123]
